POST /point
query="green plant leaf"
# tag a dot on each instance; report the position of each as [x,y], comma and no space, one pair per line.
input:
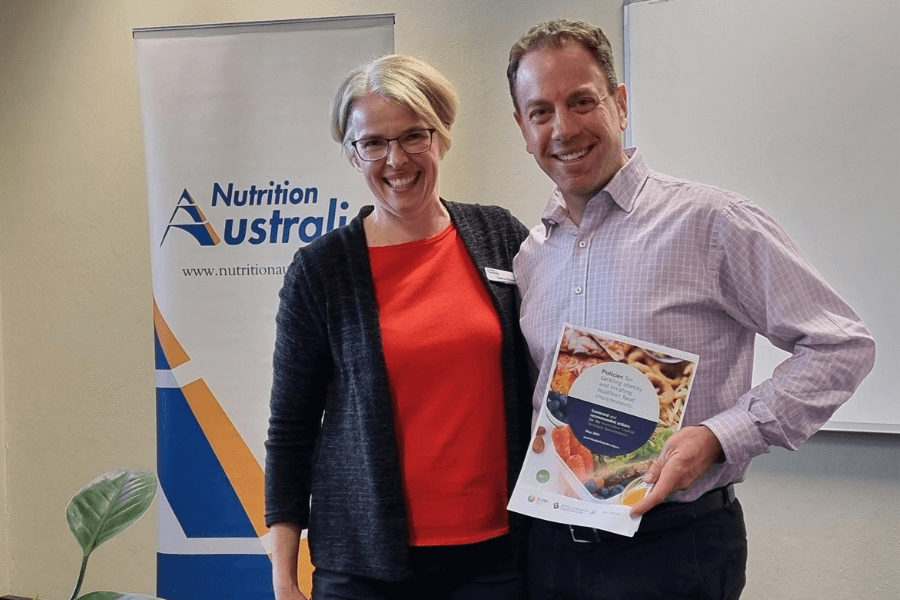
[109,505]
[115,596]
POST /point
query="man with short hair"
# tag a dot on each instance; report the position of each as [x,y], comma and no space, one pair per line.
[624,249]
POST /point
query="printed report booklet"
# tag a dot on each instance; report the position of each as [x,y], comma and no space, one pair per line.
[610,405]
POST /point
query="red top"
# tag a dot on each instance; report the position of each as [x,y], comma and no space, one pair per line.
[442,338]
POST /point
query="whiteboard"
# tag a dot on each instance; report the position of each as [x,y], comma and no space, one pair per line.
[796,105]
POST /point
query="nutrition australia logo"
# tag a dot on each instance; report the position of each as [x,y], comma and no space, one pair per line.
[188,217]
[252,227]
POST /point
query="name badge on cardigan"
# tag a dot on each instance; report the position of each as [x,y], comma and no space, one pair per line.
[499,276]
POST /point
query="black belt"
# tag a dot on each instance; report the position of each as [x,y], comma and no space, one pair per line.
[715,499]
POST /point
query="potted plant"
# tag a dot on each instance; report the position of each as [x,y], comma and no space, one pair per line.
[103,509]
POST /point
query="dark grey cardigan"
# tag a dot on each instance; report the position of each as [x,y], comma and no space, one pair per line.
[329,368]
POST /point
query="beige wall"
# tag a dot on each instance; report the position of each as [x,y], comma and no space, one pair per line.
[5,558]
[77,373]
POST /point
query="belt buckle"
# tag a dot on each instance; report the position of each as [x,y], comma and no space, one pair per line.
[576,539]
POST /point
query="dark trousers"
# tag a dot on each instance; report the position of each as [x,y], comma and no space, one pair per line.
[675,554]
[487,570]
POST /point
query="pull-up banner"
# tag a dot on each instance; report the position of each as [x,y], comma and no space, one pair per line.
[241,172]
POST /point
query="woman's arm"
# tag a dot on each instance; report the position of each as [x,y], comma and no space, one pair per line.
[285,554]
[301,372]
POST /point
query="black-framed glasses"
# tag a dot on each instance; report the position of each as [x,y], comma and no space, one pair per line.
[376,148]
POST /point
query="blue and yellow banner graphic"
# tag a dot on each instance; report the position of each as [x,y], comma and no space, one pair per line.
[241,172]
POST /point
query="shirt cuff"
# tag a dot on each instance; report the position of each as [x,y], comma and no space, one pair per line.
[738,434]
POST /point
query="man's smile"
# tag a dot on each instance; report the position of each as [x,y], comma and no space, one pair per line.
[573,155]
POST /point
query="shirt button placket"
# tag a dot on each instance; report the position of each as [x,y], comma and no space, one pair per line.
[579,277]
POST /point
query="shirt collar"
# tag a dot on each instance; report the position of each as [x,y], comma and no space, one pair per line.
[623,189]
[554,213]
[625,185]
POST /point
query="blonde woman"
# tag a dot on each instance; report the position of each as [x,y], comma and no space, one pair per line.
[401,400]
